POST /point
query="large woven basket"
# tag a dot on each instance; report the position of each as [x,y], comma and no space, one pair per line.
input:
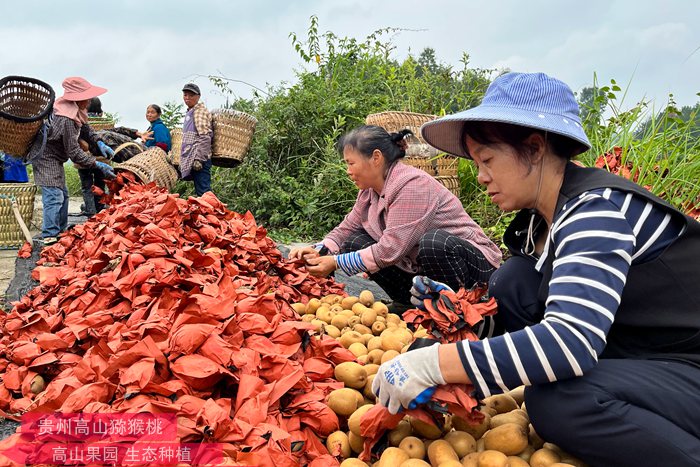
[451,182]
[24,104]
[151,166]
[100,123]
[395,121]
[435,166]
[175,146]
[446,165]
[233,133]
[10,232]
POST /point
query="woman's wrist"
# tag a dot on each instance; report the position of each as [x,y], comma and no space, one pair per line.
[451,365]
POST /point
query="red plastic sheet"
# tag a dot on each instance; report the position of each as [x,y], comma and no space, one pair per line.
[450,318]
[166,305]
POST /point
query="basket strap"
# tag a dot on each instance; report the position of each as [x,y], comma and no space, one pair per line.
[125,145]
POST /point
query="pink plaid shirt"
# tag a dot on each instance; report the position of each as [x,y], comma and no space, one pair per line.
[411,203]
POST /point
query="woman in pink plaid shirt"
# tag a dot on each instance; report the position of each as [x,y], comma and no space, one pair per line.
[403,223]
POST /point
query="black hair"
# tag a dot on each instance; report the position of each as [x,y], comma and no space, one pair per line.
[367,138]
[95,106]
[157,108]
[515,136]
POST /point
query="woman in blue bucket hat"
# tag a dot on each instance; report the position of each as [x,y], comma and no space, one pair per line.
[599,305]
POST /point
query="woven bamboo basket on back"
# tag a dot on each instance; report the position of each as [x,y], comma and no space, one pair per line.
[420,154]
[233,133]
[175,146]
[11,235]
[151,166]
[24,104]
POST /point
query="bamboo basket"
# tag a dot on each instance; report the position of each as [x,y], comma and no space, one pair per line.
[175,146]
[435,166]
[233,133]
[11,235]
[100,123]
[151,166]
[425,164]
[446,165]
[395,121]
[24,104]
[451,182]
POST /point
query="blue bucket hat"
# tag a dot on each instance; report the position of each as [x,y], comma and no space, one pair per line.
[533,100]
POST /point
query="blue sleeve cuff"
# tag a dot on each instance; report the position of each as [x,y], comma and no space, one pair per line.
[350,263]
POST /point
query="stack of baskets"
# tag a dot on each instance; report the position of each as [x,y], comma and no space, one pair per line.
[233,133]
[420,154]
[100,123]
[152,165]
[24,104]
[11,235]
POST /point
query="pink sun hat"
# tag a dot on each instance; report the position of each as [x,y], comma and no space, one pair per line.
[78,89]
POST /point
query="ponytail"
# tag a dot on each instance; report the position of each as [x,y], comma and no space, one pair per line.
[367,138]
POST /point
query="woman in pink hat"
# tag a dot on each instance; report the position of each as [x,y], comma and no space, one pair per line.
[70,114]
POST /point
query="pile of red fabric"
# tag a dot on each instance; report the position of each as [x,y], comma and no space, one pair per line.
[165,305]
[451,398]
[612,162]
[450,316]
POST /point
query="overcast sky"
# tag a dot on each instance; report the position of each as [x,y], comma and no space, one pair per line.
[144,51]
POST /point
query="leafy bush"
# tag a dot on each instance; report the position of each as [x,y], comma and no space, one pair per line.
[293,179]
[662,150]
[73,180]
[172,114]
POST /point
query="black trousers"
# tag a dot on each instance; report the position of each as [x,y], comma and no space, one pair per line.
[88,178]
[623,412]
[441,256]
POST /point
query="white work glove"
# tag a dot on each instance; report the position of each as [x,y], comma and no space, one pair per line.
[408,379]
[423,288]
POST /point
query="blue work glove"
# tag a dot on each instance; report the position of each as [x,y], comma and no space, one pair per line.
[106,169]
[105,150]
[424,288]
[408,379]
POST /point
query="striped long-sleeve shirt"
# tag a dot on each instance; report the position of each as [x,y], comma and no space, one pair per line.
[596,238]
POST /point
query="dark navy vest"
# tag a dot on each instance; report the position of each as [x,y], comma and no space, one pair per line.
[659,315]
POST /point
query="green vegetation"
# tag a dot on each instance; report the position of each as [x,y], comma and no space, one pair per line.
[294,181]
[172,114]
[660,149]
[72,180]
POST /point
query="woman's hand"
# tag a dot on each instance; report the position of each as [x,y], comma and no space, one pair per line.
[145,136]
[304,252]
[408,379]
[321,266]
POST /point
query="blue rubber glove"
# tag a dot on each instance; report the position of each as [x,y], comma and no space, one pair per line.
[408,379]
[423,288]
[105,150]
[106,169]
